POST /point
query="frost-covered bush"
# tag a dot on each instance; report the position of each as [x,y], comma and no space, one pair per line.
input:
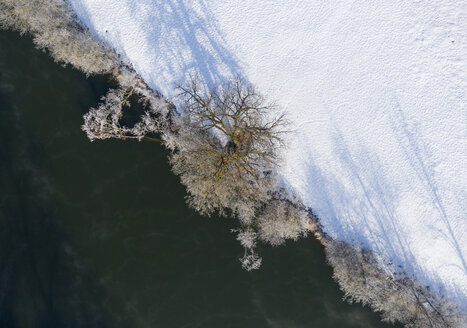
[397,297]
[128,79]
[55,27]
[281,220]
[251,260]
[278,221]
[103,122]
[247,238]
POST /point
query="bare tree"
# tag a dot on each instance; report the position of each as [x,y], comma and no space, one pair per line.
[227,152]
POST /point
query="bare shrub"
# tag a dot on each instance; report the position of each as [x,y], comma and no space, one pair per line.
[396,296]
[56,28]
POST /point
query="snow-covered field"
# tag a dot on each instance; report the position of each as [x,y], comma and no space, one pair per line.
[375,91]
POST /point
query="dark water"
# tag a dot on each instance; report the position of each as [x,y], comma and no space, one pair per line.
[98,234]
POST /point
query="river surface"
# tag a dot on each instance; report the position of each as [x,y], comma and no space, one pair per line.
[98,234]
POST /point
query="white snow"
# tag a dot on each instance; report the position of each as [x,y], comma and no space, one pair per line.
[375,91]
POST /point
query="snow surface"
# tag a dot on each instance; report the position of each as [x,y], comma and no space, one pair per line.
[375,91]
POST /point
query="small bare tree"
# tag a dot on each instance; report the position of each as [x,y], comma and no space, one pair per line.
[228,149]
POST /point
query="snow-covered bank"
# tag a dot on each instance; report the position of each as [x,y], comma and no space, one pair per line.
[376,92]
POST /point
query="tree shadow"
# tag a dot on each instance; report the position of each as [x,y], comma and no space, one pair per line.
[362,207]
[417,154]
[179,37]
